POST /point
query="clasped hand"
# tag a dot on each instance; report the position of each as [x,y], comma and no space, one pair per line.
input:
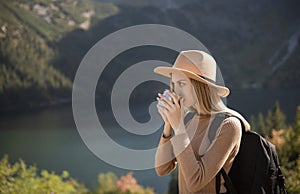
[171,109]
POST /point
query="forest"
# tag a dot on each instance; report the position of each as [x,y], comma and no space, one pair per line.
[42,42]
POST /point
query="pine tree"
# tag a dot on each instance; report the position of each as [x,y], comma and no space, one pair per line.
[297,121]
[262,124]
[275,118]
[278,117]
[253,123]
[295,136]
[269,124]
[290,155]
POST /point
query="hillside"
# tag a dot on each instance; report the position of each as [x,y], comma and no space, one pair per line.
[30,31]
[43,42]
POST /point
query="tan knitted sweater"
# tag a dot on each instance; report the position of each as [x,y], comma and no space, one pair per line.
[198,160]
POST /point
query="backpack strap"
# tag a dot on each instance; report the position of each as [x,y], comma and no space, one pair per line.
[280,179]
[218,183]
[188,117]
[228,183]
[214,126]
[216,123]
[279,176]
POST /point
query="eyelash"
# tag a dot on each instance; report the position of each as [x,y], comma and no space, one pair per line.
[180,84]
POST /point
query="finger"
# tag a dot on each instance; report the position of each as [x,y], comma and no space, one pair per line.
[166,100]
[163,104]
[164,111]
[159,108]
[174,97]
[161,112]
[181,101]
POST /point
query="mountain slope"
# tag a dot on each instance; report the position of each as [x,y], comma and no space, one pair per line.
[243,37]
[29,33]
[43,42]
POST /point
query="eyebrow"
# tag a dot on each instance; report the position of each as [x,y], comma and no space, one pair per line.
[182,80]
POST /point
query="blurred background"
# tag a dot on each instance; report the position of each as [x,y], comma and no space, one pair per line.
[42,42]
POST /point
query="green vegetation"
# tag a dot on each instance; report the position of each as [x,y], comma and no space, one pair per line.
[288,144]
[274,120]
[29,33]
[20,178]
[109,184]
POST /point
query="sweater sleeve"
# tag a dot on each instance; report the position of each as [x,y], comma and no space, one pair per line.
[165,161]
[198,173]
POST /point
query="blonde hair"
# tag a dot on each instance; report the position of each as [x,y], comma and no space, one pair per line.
[209,102]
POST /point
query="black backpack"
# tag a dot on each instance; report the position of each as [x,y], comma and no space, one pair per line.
[255,169]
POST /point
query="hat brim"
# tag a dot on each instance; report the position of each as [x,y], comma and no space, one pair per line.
[165,71]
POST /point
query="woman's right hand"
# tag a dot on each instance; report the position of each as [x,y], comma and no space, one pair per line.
[162,114]
[160,107]
[167,128]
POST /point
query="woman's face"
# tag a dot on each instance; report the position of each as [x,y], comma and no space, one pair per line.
[184,88]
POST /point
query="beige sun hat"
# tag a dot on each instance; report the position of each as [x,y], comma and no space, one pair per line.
[197,65]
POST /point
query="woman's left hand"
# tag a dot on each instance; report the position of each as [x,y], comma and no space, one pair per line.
[173,109]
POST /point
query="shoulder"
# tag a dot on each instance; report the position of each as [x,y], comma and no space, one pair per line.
[231,126]
[232,122]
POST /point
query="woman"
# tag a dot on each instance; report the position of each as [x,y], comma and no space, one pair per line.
[187,145]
